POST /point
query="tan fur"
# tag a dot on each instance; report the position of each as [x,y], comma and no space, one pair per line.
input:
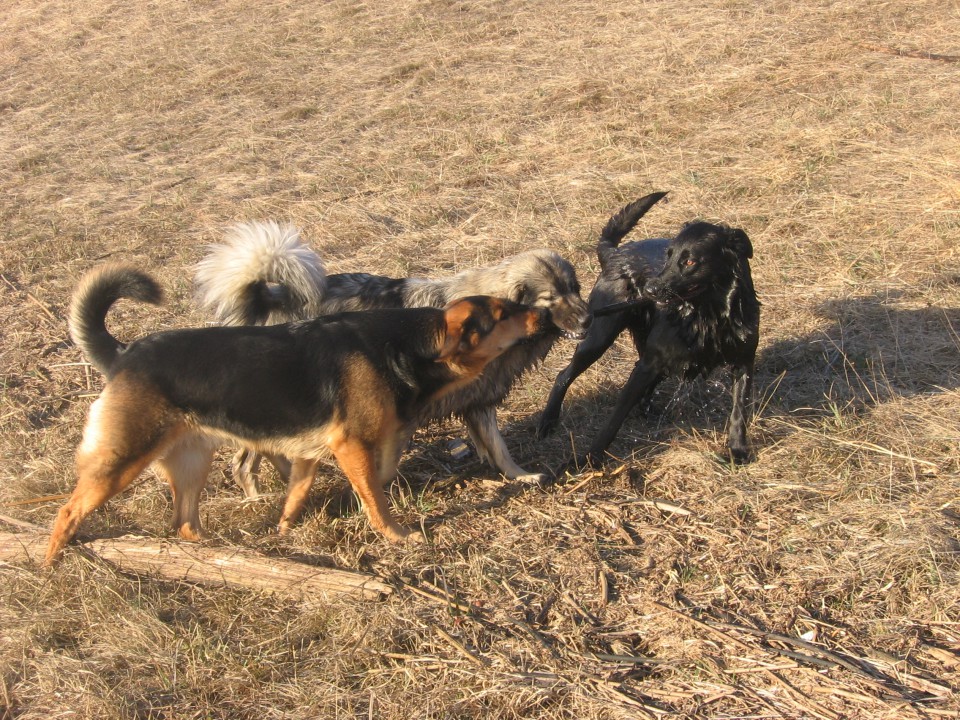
[262,253]
[133,424]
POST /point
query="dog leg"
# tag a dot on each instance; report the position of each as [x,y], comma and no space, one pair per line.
[740,413]
[360,466]
[186,467]
[97,484]
[388,456]
[302,473]
[603,331]
[638,386]
[113,453]
[485,434]
[245,466]
[281,464]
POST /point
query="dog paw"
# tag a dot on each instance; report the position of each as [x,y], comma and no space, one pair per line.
[532,479]
[593,460]
[401,535]
[415,537]
[192,534]
[545,427]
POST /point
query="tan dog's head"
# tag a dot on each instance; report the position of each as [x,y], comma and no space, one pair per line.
[481,328]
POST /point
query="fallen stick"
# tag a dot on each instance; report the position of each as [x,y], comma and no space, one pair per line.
[205,565]
[905,52]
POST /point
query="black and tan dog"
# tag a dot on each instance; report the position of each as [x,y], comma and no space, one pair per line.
[690,306]
[351,384]
[263,273]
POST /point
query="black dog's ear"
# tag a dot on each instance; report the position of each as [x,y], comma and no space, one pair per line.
[738,241]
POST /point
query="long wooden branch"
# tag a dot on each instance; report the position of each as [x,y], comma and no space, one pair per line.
[207,565]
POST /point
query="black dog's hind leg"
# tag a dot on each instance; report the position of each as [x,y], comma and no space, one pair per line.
[603,331]
[740,413]
[639,387]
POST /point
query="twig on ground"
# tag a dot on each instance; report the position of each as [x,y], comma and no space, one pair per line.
[460,648]
[915,54]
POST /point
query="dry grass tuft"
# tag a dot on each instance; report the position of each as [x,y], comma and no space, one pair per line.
[423,138]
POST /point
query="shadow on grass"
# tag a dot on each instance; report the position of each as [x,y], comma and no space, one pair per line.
[870,351]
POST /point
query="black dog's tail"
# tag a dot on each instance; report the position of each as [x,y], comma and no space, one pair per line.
[97,292]
[622,223]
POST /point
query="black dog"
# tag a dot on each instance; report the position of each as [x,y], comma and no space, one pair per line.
[689,304]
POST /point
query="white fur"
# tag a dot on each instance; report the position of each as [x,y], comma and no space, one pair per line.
[258,251]
[92,432]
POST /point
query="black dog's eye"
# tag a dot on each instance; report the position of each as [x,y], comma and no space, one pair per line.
[689,262]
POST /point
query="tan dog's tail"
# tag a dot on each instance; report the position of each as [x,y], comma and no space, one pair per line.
[97,292]
[260,275]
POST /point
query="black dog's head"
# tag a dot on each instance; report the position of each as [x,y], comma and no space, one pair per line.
[702,258]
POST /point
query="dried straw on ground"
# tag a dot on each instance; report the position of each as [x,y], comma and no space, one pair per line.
[426,137]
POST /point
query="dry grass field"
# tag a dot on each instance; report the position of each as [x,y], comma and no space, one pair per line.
[820,581]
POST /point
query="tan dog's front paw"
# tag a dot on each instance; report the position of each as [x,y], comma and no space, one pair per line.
[187,531]
[400,534]
[415,537]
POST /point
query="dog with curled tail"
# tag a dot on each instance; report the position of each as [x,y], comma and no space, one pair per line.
[264,273]
[352,385]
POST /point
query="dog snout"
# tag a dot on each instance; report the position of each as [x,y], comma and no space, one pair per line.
[572,317]
[655,289]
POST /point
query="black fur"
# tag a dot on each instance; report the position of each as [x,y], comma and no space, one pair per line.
[197,369]
[690,307]
[264,274]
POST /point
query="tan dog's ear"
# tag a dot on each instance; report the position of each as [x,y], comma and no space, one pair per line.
[456,316]
[451,341]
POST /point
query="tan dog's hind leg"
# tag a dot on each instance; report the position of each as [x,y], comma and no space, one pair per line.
[185,467]
[99,480]
[122,436]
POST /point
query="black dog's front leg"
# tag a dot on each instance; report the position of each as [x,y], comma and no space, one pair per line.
[740,413]
[603,331]
[640,385]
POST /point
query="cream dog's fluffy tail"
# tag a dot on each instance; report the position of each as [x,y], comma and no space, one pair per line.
[261,274]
